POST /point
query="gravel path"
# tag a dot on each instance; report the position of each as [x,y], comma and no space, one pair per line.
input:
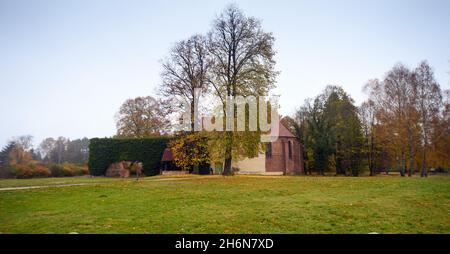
[87,184]
[44,186]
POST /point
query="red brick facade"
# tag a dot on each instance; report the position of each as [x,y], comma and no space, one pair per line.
[278,156]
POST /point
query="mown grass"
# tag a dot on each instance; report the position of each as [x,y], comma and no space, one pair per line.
[239,204]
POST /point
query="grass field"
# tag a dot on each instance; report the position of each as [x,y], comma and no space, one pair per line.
[239,204]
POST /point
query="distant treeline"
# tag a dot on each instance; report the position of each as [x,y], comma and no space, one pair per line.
[53,157]
[403,126]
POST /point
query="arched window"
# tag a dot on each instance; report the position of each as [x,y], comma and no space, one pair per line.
[268,150]
[290,149]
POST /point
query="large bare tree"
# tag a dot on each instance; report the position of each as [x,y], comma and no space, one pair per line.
[184,70]
[243,63]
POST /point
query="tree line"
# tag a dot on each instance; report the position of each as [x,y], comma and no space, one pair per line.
[52,157]
[403,125]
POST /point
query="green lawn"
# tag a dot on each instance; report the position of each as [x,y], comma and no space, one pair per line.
[239,204]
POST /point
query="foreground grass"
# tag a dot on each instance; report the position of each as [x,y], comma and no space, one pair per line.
[239,204]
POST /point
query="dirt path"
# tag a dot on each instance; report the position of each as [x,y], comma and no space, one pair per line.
[88,184]
[44,186]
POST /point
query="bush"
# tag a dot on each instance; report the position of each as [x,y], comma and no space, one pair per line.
[30,170]
[21,171]
[36,169]
[61,170]
[84,170]
[103,152]
[74,170]
[68,169]
[41,171]
[57,170]
[6,172]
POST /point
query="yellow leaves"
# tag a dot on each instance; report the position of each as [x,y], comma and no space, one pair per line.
[189,150]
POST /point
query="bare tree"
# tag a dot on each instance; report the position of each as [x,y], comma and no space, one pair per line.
[60,149]
[24,141]
[45,148]
[243,64]
[185,70]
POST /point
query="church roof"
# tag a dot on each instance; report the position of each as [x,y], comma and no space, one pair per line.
[284,132]
[167,155]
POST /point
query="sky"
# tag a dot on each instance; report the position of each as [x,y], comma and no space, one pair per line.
[67,66]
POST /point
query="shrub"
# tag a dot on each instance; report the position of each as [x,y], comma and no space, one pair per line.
[68,169]
[75,170]
[22,171]
[57,170]
[103,152]
[29,170]
[41,171]
[6,171]
[84,170]
[36,169]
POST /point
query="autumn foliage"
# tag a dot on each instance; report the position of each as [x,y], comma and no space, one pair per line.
[189,150]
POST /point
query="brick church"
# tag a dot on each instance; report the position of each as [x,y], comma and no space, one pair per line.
[284,156]
[281,157]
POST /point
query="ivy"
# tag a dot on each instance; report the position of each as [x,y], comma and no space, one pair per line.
[104,151]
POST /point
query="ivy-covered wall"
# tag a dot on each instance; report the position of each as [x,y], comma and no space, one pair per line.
[104,151]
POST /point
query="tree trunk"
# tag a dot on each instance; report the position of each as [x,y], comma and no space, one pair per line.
[372,153]
[403,164]
[411,152]
[305,157]
[424,172]
[424,164]
[411,166]
[227,170]
[338,166]
[193,115]
[227,165]
[411,160]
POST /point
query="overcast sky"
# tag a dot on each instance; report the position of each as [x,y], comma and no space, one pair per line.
[67,66]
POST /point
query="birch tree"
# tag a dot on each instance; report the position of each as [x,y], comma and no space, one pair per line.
[429,100]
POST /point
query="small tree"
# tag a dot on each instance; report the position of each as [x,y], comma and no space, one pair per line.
[4,153]
[189,150]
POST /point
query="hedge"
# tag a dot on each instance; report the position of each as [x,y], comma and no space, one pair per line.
[104,151]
